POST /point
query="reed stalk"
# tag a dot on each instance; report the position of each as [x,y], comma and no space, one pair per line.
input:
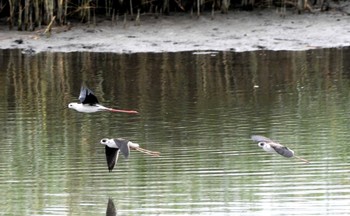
[87,9]
[49,8]
[113,18]
[212,11]
[60,11]
[37,14]
[31,25]
[94,16]
[10,19]
[65,11]
[26,14]
[137,20]
[124,22]
[20,10]
[198,8]
[224,6]
[2,6]
[131,10]
[109,9]
[166,6]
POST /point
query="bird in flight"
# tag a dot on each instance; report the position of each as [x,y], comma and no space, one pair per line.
[114,146]
[274,147]
[89,103]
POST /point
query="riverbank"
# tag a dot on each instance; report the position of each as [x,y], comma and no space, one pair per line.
[237,31]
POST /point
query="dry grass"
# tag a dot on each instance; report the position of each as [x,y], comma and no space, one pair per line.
[30,14]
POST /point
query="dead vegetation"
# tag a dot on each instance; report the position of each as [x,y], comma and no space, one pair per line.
[31,14]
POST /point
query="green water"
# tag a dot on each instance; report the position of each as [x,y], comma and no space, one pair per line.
[199,111]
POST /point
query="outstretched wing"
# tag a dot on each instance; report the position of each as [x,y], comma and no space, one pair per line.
[123,145]
[259,138]
[111,157]
[282,150]
[86,96]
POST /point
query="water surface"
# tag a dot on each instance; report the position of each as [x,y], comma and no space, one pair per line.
[199,110]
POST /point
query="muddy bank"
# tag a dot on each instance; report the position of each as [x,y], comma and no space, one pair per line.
[237,31]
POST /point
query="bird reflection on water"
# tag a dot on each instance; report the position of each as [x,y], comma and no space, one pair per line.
[111,210]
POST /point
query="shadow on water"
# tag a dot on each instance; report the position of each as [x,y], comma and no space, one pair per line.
[198,110]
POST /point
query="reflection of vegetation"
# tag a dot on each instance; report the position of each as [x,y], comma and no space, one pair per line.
[137,81]
[174,84]
[185,101]
[27,15]
[131,75]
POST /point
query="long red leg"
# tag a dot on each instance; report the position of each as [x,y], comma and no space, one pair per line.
[153,153]
[123,111]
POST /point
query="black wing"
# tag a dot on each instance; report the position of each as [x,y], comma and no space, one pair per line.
[111,210]
[259,138]
[123,146]
[87,96]
[282,150]
[111,157]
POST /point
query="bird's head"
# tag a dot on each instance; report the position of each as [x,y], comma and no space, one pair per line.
[261,144]
[108,142]
[72,105]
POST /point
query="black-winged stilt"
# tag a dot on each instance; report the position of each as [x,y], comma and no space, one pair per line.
[89,103]
[114,146]
[274,147]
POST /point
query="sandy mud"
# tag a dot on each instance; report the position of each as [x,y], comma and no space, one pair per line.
[237,31]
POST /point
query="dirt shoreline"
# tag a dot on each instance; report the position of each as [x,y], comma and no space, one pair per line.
[237,31]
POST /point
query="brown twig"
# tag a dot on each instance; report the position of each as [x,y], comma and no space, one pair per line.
[49,27]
